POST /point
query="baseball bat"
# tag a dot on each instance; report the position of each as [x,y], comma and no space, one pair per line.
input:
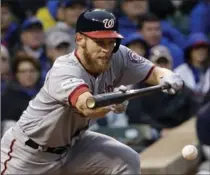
[118,97]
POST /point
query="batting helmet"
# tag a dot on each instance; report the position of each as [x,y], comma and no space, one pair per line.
[99,23]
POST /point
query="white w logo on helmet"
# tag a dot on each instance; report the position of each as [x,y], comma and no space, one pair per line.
[108,23]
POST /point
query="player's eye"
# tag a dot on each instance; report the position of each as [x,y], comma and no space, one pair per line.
[99,43]
[112,42]
[104,43]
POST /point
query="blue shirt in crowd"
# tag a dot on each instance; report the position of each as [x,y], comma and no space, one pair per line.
[200,18]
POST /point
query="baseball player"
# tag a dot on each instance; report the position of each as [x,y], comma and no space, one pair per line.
[51,136]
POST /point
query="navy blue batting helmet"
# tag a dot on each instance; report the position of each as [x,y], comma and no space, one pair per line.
[99,23]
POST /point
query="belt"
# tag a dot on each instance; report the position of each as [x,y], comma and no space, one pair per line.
[56,150]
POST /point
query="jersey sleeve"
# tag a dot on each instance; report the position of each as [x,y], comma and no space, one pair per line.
[134,68]
[66,83]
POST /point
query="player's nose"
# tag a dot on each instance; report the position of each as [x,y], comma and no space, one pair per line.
[105,51]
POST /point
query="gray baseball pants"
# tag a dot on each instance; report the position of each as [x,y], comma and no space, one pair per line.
[93,154]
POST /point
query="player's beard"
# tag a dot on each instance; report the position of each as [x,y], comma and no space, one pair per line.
[95,65]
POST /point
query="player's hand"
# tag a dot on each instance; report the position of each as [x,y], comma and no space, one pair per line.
[174,80]
[121,88]
[119,108]
[97,112]
[90,113]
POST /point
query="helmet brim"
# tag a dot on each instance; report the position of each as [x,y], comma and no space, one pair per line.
[103,34]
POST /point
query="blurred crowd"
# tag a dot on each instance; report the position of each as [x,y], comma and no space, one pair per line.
[173,34]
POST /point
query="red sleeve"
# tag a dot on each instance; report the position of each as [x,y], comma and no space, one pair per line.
[149,73]
[76,93]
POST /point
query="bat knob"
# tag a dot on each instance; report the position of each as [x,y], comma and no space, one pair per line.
[90,102]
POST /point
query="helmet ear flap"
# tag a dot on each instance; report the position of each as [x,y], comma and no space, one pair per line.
[117,45]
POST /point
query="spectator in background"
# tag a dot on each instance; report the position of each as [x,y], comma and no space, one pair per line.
[28,7]
[136,43]
[31,38]
[161,56]
[180,18]
[17,10]
[131,10]
[72,10]
[196,70]
[9,28]
[48,14]
[161,111]
[163,9]
[20,91]
[32,41]
[104,4]
[58,43]
[150,28]
[51,14]
[5,67]
[200,17]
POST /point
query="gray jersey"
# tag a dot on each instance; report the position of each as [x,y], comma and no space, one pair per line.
[51,118]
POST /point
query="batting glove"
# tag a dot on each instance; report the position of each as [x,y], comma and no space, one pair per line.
[175,82]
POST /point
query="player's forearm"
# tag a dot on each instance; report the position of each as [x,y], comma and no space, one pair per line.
[90,113]
[156,75]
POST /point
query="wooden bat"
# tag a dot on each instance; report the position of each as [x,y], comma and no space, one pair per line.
[106,99]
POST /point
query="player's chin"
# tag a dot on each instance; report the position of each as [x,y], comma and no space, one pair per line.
[104,67]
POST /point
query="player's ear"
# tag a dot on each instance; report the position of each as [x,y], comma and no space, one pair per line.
[80,39]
